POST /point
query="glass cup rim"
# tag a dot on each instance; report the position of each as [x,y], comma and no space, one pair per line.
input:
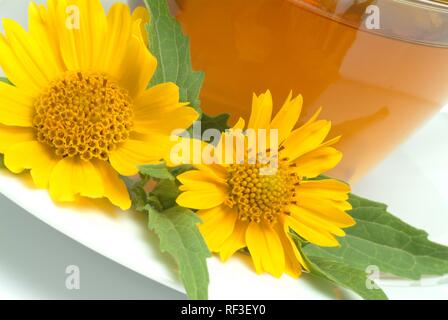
[443,4]
[436,11]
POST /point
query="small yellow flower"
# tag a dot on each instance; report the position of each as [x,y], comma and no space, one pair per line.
[79,112]
[241,206]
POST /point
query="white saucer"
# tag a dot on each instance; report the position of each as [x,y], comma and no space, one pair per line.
[413,181]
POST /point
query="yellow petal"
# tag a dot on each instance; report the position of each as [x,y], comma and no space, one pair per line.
[203,199]
[114,187]
[72,177]
[12,135]
[137,68]
[217,225]
[265,248]
[314,116]
[287,117]
[119,24]
[317,162]
[293,259]
[81,30]
[86,179]
[16,107]
[316,236]
[185,151]
[297,254]
[29,53]
[261,114]
[141,16]
[158,99]
[231,147]
[215,170]
[327,210]
[342,205]
[42,168]
[305,139]
[67,19]
[236,241]
[199,180]
[331,142]
[17,159]
[97,31]
[308,217]
[140,13]
[165,122]
[41,163]
[133,153]
[328,189]
[16,70]
[239,124]
[42,29]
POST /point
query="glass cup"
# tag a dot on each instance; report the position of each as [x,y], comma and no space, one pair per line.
[379,68]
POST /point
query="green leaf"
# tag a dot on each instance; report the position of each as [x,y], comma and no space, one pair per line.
[137,192]
[167,192]
[345,276]
[5,80]
[181,169]
[157,171]
[219,122]
[179,237]
[357,201]
[162,197]
[339,273]
[172,50]
[382,240]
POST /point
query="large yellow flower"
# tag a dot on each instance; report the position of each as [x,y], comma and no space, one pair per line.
[242,205]
[79,112]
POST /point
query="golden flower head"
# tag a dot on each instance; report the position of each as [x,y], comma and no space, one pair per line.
[79,112]
[243,205]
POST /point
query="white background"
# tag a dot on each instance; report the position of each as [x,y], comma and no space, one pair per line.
[33,256]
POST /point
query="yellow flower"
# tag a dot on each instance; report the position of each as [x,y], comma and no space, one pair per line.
[79,113]
[242,206]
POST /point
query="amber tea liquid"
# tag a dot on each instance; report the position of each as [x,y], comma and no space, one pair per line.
[375,88]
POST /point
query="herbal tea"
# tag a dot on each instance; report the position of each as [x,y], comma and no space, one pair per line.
[377,86]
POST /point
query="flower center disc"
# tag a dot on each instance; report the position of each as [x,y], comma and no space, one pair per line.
[260,197]
[84,115]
